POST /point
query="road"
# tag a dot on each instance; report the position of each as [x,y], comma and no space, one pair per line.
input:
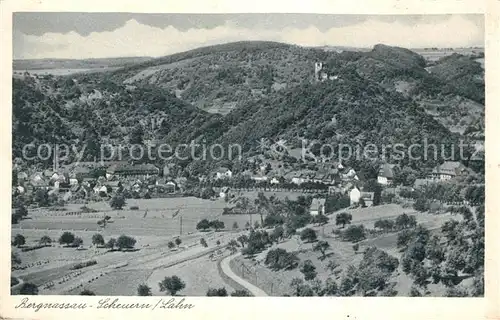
[225,266]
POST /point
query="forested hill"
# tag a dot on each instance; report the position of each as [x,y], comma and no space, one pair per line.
[222,77]
[378,97]
[350,110]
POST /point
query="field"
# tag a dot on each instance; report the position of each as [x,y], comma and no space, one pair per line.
[199,275]
[153,231]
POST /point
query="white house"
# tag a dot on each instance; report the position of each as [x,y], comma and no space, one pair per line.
[354,196]
[317,207]
[223,173]
[259,178]
[73,182]
[449,170]
[386,174]
[274,181]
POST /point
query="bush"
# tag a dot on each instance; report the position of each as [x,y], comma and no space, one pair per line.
[308,270]
[134,208]
[171,285]
[221,292]
[308,235]
[19,240]
[143,290]
[278,259]
[203,242]
[320,219]
[77,242]
[178,241]
[82,265]
[28,289]
[235,226]
[87,292]
[241,293]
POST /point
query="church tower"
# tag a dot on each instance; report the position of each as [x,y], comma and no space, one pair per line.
[317,68]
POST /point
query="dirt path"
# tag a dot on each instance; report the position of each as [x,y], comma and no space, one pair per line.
[255,291]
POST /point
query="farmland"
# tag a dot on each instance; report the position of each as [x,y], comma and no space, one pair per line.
[116,272]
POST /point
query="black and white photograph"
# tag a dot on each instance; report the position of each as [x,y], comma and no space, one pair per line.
[247,155]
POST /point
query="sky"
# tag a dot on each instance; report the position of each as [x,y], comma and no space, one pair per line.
[67,35]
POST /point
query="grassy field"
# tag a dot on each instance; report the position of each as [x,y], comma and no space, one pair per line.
[199,275]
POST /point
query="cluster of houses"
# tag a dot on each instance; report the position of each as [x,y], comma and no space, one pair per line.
[103,178]
[90,178]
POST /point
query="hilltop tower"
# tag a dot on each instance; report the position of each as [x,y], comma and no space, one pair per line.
[318,66]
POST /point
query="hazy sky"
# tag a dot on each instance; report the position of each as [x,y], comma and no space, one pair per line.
[97,35]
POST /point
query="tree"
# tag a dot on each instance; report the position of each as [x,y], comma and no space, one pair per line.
[243,239]
[217,225]
[233,246]
[256,225]
[278,259]
[308,235]
[67,238]
[203,242]
[278,233]
[247,225]
[111,243]
[343,218]
[19,240]
[143,290]
[22,211]
[28,289]
[221,292]
[178,241]
[125,242]
[87,292]
[117,202]
[331,287]
[262,203]
[241,293]
[98,240]
[171,245]
[332,265]
[308,270]
[322,246]
[384,224]
[321,219]
[355,247]
[235,226]
[172,285]
[297,283]
[45,240]
[405,221]
[14,258]
[77,242]
[354,233]
[203,225]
